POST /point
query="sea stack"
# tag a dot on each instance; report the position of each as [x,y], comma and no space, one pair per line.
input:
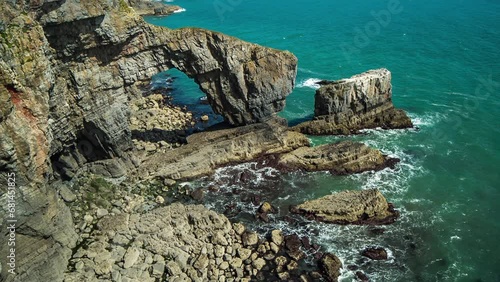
[349,105]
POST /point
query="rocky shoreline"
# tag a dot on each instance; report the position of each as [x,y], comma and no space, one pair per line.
[93,156]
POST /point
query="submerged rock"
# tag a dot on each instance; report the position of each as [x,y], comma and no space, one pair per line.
[350,207]
[346,106]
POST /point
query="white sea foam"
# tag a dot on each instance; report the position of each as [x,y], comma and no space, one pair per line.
[426,120]
[309,83]
[180,10]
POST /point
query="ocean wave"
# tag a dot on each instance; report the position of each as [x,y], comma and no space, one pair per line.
[426,120]
[179,10]
[310,83]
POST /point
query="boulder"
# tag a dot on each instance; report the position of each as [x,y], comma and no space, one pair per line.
[330,265]
[375,253]
[362,276]
[206,151]
[350,207]
[277,237]
[346,106]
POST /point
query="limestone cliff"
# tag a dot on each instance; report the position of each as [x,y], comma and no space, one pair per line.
[67,71]
[349,105]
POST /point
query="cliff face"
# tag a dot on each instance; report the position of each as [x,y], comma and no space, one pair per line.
[67,71]
[349,105]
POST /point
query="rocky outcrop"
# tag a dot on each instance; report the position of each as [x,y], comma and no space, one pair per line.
[176,243]
[67,72]
[349,105]
[341,158]
[350,207]
[206,151]
[330,265]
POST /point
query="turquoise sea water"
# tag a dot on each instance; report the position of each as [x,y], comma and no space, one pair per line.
[446,74]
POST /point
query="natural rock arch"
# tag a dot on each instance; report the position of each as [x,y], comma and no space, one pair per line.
[244,82]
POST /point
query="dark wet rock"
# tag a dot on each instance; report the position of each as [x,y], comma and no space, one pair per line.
[330,265]
[306,243]
[145,7]
[346,106]
[350,207]
[266,207]
[361,276]
[375,253]
[255,199]
[245,176]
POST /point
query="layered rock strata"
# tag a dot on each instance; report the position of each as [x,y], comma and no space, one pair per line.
[350,207]
[349,105]
[67,72]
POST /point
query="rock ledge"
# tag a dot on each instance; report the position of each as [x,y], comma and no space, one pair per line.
[350,207]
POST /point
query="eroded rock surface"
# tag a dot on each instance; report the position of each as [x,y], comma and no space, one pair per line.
[345,157]
[349,105]
[350,207]
[176,243]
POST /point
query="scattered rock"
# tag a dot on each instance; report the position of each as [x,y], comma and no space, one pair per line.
[169,182]
[340,158]
[67,194]
[244,253]
[131,257]
[88,219]
[198,195]
[250,238]
[238,228]
[266,208]
[277,237]
[350,207]
[330,265]
[362,277]
[204,118]
[258,263]
[376,253]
